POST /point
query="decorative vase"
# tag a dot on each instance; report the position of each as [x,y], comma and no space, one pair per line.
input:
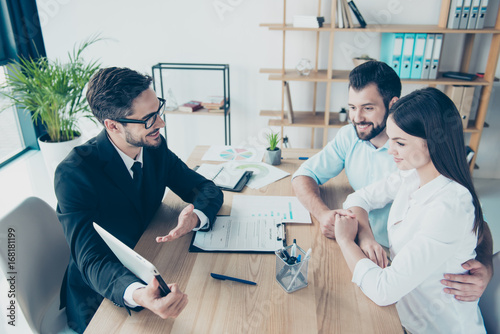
[304,67]
[170,101]
[273,157]
[54,153]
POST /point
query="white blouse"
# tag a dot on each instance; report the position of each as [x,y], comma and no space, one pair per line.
[430,234]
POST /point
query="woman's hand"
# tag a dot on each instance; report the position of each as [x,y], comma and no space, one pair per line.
[346,228]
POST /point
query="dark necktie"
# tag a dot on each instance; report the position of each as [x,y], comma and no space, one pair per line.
[137,169]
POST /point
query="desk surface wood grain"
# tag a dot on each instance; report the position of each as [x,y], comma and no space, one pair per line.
[331,303]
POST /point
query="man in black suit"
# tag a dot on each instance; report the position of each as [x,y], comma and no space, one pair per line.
[118,180]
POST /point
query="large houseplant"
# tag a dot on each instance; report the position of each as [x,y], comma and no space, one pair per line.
[53,93]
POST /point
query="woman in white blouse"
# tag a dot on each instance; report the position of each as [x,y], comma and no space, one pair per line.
[434,223]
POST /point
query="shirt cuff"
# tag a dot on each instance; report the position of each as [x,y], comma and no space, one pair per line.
[203,220]
[360,270]
[127,296]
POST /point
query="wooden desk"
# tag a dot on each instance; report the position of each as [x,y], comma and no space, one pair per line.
[330,304]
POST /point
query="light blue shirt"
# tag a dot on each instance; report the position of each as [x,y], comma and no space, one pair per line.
[363,163]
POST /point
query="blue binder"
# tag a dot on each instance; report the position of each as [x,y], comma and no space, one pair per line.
[418,56]
[408,45]
[390,50]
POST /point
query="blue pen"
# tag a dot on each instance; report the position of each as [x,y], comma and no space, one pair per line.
[222,277]
[303,158]
[299,258]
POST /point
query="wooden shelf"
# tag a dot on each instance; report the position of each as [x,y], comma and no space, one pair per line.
[343,76]
[303,119]
[289,27]
[401,28]
[201,112]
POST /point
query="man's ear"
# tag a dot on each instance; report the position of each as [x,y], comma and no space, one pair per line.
[392,101]
[112,126]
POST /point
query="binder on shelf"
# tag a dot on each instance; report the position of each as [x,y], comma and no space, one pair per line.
[455,14]
[482,14]
[466,105]
[391,49]
[464,18]
[426,66]
[406,57]
[474,11]
[436,53]
[418,56]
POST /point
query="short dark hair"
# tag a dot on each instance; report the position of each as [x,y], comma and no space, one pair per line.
[429,114]
[112,90]
[381,75]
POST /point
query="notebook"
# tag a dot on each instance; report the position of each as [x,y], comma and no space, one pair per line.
[223,177]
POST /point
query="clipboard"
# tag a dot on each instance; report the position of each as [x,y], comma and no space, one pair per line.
[280,242]
[239,185]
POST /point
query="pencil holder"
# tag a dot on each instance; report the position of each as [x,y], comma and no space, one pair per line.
[291,277]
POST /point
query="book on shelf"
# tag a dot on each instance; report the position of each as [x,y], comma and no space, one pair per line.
[304,21]
[344,17]
[213,102]
[190,106]
[469,154]
[357,13]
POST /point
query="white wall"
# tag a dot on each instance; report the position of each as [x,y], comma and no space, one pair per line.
[141,34]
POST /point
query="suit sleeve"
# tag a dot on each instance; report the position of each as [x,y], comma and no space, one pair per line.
[193,188]
[77,210]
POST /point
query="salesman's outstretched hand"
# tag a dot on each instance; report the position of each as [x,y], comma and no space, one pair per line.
[169,306]
[187,221]
[468,287]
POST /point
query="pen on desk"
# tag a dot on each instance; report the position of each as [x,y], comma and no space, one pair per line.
[220,170]
[308,255]
[223,277]
[303,158]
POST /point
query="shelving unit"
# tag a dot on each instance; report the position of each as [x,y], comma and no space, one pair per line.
[158,71]
[315,119]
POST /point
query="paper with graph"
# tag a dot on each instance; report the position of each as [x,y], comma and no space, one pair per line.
[288,209]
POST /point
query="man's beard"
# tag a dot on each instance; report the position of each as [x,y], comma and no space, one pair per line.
[141,142]
[375,131]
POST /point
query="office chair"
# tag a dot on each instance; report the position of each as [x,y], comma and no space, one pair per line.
[490,301]
[39,256]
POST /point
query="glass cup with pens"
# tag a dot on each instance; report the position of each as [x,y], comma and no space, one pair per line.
[291,267]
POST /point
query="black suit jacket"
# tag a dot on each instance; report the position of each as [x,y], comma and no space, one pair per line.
[93,185]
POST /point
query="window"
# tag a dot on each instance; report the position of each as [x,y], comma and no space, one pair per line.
[11,139]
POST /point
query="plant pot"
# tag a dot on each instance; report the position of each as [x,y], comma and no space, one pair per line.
[54,153]
[342,117]
[273,157]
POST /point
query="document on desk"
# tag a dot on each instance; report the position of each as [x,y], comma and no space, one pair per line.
[240,234]
[287,209]
[233,153]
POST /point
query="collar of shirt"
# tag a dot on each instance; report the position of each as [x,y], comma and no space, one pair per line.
[429,189]
[128,161]
[367,142]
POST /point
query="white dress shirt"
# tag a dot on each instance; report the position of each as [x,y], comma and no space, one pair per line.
[430,234]
[129,162]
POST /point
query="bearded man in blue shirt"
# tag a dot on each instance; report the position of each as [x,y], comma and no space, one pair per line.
[360,149]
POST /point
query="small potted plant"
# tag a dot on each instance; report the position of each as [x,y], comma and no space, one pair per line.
[273,153]
[342,115]
[360,60]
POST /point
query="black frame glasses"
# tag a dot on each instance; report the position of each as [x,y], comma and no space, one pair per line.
[148,122]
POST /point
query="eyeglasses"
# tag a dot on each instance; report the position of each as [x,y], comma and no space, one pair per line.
[148,122]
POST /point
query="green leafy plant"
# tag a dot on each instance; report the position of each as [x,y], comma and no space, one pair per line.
[52,91]
[273,141]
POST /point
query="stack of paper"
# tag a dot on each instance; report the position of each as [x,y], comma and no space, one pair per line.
[303,21]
